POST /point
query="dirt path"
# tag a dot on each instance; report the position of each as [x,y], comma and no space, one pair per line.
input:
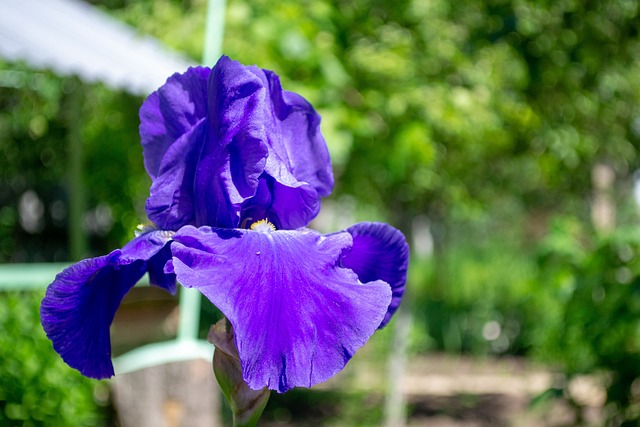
[444,390]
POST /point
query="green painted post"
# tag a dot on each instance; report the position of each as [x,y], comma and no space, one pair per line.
[190,299]
[28,277]
[214,31]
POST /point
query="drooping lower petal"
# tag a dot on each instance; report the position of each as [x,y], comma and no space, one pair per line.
[151,245]
[157,276]
[379,252]
[298,317]
[79,305]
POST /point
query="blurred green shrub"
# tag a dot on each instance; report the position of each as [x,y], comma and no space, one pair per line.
[592,325]
[486,117]
[35,107]
[37,387]
[476,300]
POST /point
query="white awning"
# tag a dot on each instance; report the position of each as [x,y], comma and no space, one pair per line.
[74,38]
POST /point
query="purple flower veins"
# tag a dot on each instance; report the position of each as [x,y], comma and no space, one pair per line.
[238,168]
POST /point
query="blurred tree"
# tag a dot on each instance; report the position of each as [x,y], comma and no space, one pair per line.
[477,116]
[595,328]
[34,195]
[458,107]
[487,117]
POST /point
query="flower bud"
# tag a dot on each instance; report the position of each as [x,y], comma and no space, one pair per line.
[246,404]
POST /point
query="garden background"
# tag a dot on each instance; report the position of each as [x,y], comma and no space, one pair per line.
[501,136]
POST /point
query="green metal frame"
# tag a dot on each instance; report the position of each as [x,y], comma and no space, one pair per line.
[28,277]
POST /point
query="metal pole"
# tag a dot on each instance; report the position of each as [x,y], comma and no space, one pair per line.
[214,31]
[190,299]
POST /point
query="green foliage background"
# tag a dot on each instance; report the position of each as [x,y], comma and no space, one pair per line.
[481,119]
[37,388]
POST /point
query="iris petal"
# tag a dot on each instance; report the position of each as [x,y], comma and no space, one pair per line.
[153,248]
[234,155]
[379,252]
[157,276]
[260,128]
[170,112]
[293,206]
[170,204]
[297,141]
[80,303]
[79,307]
[298,158]
[287,207]
[297,316]
[215,133]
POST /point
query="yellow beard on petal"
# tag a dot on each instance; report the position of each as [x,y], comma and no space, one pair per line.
[263,226]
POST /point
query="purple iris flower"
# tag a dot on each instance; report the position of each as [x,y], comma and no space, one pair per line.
[238,168]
